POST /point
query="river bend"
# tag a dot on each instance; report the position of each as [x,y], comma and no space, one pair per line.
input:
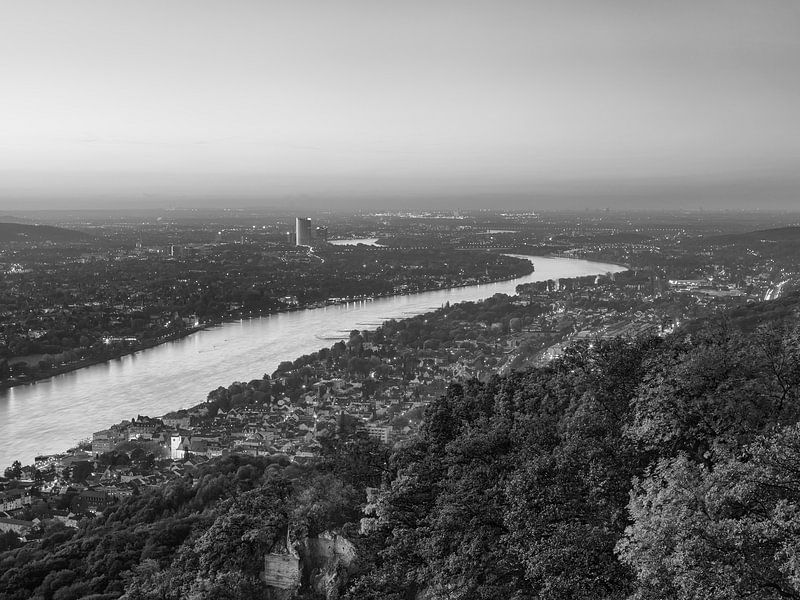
[51,415]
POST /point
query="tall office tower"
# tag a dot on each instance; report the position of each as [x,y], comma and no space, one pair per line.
[303,231]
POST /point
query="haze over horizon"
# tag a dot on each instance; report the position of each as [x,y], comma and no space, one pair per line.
[350,104]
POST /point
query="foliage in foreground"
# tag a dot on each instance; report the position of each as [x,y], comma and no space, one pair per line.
[629,470]
[646,469]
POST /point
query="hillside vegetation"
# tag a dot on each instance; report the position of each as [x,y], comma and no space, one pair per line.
[789,234]
[19,232]
[641,469]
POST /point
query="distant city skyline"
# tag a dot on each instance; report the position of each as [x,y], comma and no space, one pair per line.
[364,104]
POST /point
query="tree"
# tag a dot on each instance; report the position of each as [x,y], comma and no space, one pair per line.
[285,367]
[14,471]
[81,470]
[359,460]
[728,532]
[247,527]
[115,458]
[358,365]
[9,541]
[705,396]
[324,503]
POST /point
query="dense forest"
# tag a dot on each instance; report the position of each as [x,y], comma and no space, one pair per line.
[649,468]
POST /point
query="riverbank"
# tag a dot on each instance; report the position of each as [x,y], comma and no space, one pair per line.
[97,360]
[148,344]
[607,261]
[47,417]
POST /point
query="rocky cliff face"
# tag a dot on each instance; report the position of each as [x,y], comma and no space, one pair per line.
[328,561]
[322,565]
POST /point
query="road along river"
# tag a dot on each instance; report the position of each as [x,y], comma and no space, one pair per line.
[51,415]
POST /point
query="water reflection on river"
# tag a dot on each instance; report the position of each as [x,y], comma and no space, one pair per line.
[51,415]
[355,242]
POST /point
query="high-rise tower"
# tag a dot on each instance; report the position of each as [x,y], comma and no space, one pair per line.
[303,234]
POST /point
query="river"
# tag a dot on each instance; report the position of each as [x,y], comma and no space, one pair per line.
[355,242]
[51,415]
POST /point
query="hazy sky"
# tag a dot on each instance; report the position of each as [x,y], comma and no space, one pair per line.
[181,102]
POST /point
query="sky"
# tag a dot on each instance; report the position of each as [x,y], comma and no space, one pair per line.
[374,103]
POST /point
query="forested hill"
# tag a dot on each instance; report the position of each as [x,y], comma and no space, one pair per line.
[643,469]
[789,234]
[18,232]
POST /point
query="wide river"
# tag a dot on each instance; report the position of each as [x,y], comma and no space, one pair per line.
[51,415]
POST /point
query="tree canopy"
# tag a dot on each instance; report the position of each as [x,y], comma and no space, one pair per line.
[645,469]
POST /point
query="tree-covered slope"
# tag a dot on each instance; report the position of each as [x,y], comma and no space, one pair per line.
[789,234]
[646,470]
[626,469]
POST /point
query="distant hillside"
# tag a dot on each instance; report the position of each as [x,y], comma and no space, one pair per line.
[6,218]
[17,232]
[625,237]
[780,234]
